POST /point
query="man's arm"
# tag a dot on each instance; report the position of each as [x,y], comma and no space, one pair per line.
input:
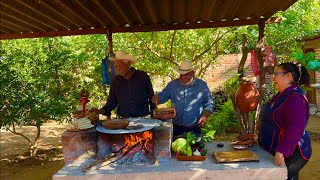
[208,105]
[150,94]
[111,101]
[203,118]
[165,94]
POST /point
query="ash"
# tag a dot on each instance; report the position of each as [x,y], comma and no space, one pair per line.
[134,156]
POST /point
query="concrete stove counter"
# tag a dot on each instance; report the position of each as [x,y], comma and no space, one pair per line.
[174,169]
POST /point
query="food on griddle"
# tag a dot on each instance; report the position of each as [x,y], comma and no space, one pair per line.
[115,123]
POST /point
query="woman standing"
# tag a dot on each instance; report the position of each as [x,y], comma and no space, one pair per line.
[284,119]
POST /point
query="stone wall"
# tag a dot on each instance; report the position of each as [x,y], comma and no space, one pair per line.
[75,144]
[162,141]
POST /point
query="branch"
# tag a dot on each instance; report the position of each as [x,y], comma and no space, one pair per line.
[238,114]
[203,69]
[172,41]
[14,132]
[245,51]
[153,51]
[206,50]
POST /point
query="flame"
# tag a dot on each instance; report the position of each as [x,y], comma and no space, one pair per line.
[138,138]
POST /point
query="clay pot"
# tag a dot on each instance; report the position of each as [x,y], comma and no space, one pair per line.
[164,113]
[247,96]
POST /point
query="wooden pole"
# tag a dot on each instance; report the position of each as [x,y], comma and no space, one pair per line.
[262,78]
[109,36]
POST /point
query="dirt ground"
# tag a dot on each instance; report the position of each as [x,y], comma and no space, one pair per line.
[16,164]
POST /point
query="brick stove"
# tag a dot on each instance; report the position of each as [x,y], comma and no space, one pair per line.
[76,144]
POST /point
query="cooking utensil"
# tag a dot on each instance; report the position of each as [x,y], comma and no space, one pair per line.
[235,156]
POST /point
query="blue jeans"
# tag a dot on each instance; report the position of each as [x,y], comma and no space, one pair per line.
[180,131]
[294,164]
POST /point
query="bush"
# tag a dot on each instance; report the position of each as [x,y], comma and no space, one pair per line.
[223,121]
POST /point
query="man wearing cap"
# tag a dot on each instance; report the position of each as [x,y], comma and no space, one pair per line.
[190,97]
[131,91]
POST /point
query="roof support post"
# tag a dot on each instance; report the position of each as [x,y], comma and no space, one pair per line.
[109,36]
[262,78]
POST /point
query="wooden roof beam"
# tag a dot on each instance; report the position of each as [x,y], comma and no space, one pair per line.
[138,28]
[90,13]
[59,13]
[23,14]
[75,14]
[106,12]
[21,21]
[43,14]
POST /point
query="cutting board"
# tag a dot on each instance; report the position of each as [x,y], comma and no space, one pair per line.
[235,156]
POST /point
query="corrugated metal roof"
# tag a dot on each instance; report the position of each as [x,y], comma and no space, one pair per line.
[39,18]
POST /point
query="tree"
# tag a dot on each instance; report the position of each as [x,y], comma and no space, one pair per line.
[36,84]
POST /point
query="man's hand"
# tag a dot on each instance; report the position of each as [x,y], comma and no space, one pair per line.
[155,100]
[202,121]
[96,110]
[279,159]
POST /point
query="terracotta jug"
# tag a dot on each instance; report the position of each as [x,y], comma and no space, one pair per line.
[247,96]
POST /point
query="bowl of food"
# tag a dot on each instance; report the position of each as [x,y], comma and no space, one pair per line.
[164,113]
[115,123]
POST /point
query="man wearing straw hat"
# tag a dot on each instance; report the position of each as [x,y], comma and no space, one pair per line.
[131,91]
[190,97]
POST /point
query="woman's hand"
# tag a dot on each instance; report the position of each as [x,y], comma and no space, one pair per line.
[279,159]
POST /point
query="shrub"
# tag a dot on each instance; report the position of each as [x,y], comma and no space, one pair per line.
[223,121]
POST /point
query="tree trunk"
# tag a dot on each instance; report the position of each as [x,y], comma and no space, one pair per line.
[33,146]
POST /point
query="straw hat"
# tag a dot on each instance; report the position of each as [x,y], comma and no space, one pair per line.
[185,67]
[121,55]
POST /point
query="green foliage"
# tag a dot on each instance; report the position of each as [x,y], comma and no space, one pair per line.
[300,20]
[159,52]
[231,85]
[207,135]
[308,60]
[223,121]
[41,78]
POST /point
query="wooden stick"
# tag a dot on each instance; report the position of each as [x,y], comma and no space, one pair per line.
[150,156]
[99,161]
[112,157]
[109,158]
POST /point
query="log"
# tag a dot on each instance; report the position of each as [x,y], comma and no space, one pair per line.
[88,167]
[112,157]
[150,156]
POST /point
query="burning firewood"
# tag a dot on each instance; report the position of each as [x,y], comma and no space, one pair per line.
[150,156]
[112,157]
[118,153]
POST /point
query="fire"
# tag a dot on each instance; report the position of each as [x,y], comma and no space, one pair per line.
[138,138]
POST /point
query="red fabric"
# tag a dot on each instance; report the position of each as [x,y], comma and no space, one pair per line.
[268,60]
[254,63]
